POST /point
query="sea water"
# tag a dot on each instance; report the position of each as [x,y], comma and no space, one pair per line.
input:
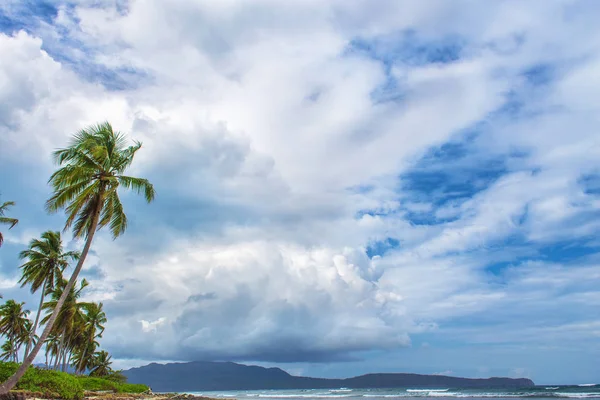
[587,391]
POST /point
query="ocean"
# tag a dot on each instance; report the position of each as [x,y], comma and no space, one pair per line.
[589,391]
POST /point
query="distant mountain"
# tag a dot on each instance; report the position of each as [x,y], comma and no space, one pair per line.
[205,375]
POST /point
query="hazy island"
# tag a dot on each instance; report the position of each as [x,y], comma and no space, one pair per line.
[207,376]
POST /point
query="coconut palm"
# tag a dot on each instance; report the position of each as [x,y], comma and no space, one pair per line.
[91,170]
[101,364]
[14,325]
[95,318]
[8,353]
[70,319]
[6,220]
[46,261]
[52,348]
[27,336]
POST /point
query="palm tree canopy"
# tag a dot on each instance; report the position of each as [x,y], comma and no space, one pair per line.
[95,319]
[71,314]
[13,319]
[4,220]
[91,170]
[46,261]
[101,364]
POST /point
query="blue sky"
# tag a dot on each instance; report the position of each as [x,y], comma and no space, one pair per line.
[342,187]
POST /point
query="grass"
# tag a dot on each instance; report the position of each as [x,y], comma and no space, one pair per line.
[55,384]
[99,384]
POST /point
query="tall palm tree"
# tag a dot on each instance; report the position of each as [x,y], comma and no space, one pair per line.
[6,220]
[85,185]
[14,324]
[46,261]
[101,364]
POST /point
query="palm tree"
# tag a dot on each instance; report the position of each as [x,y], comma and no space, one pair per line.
[93,329]
[6,220]
[85,185]
[101,364]
[52,348]
[46,262]
[27,336]
[8,353]
[14,325]
[70,319]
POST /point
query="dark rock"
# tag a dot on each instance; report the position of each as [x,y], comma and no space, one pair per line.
[12,396]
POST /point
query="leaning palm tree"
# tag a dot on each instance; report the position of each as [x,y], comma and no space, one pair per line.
[45,264]
[91,170]
[6,220]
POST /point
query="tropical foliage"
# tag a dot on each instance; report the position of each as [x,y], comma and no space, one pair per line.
[43,269]
[15,326]
[55,384]
[101,364]
[74,339]
[91,170]
[4,220]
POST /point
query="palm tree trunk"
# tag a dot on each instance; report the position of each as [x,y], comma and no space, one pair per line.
[81,367]
[70,358]
[59,350]
[12,348]
[37,318]
[63,367]
[12,381]
[56,359]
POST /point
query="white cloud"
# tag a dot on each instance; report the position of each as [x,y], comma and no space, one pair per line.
[152,326]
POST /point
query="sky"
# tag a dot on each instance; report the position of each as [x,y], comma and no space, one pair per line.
[342,186]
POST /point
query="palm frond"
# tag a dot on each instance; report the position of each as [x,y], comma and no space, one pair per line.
[139,185]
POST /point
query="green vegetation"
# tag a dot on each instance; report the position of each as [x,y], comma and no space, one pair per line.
[4,220]
[91,170]
[56,384]
[43,269]
[100,384]
[15,325]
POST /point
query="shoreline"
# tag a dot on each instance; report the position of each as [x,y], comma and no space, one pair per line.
[22,395]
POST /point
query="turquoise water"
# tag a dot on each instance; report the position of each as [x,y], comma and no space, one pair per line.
[539,392]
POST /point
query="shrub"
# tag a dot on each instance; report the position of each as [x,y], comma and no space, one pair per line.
[48,383]
[101,384]
[96,384]
[55,384]
[7,369]
[51,383]
[132,388]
